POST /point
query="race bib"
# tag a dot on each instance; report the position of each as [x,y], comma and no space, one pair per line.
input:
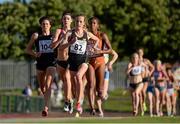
[79,47]
[136,70]
[44,46]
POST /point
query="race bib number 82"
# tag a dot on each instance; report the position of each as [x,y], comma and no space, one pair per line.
[78,47]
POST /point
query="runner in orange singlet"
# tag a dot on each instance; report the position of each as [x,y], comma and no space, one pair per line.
[96,68]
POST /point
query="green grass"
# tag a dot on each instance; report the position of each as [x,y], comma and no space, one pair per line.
[13,101]
[15,92]
[119,100]
[11,91]
[145,119]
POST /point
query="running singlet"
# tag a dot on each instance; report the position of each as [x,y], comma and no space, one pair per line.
[79,46]
[77,51]
[136,70]
[157,74]
[43,46]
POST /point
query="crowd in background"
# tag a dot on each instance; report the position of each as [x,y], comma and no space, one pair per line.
[158,81]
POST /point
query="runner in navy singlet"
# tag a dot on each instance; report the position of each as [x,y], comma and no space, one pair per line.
[45,57]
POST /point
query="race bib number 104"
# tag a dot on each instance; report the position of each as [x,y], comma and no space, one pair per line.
[44,46]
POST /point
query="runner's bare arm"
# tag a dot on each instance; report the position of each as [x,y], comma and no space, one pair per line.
[151,67]
[65,41]
[29,46]
[93,37]
[56,41]
[129,68]
[114,58]
[96,39]
[107,43]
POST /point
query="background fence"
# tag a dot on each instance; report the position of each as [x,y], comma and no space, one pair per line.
[16,75]
[19,103]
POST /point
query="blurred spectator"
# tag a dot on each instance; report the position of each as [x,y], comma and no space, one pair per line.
[27,91]
[176,71]
[56,93]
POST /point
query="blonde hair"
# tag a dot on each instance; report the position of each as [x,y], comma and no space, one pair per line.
[85,20]
[157,62]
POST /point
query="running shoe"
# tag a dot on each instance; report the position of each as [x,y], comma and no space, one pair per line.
[135,113]
[158,115]
[142,113]
[70,105]
[106,97]
[101,115]
[44,113]
[93,112]
[168,113]
[79,108]
[66,106]
[144,106]
[161,114]
[77,115]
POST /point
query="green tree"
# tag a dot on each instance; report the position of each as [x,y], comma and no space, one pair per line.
[151,24]
[12,30]
[140,23]
[173,34]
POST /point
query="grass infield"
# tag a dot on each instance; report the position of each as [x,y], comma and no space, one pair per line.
[145,119]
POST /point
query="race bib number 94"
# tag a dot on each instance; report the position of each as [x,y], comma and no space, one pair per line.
[79,47]
[44,46]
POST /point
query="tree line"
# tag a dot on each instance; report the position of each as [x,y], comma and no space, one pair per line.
[151,24]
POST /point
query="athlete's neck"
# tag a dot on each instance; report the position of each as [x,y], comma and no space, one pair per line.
[46,32]
[66,28]
[79,32]
[141,58]
[95,32]
[135,64]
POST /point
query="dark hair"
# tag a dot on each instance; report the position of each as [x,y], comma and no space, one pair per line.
[66,13]
[45,18]
[94,18]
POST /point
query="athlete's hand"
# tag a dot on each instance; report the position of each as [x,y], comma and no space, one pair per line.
[152,78]
[37,54]
[97,51]
[110,68]
[71,40]
[91,50]
[54,45]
